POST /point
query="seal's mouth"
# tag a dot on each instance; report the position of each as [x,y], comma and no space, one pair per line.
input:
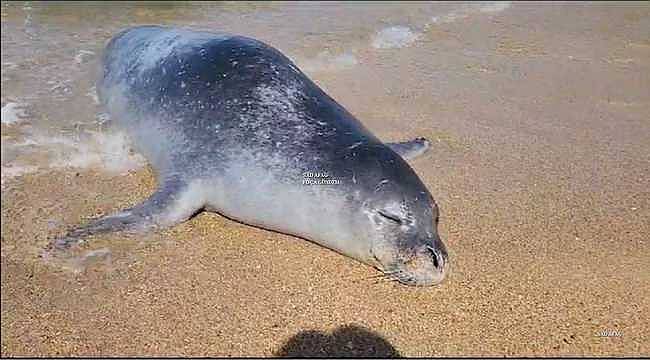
[427,267]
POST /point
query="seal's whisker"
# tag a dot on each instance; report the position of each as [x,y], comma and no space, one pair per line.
[385,279]
[378,276]
[386,273]
[369,277]
[391,276]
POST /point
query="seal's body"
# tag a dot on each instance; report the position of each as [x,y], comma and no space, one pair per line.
[233,126]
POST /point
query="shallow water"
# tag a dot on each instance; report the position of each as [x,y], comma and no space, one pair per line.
[50,56]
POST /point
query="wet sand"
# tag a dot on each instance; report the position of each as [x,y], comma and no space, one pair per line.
[540,165]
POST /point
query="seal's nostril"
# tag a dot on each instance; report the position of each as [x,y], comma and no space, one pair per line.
[434,257]
[438,261]
[441,261]
[438,258]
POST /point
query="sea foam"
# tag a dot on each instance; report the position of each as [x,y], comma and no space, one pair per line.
[12,113]
[394,37]
[108,150]
[325,61]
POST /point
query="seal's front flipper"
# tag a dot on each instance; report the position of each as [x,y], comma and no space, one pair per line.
[410,149]
[173,203]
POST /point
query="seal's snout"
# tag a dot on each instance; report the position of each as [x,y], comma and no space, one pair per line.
[428,266]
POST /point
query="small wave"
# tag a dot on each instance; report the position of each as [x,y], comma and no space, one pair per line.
[494,7]
[467,11]
[7,67]
[325,61]
[13,171]
[92,93]
[83,55]
[110,150]
[448,18]
[394,37]
[12,113]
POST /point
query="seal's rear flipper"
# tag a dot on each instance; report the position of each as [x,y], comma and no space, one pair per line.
[173,203]
[410,149]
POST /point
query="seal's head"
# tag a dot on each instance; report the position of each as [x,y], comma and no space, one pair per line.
[403,221]
[406,244]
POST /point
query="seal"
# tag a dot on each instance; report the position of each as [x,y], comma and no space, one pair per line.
[231,125]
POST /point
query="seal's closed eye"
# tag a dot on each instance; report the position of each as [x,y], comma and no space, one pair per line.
[390,216]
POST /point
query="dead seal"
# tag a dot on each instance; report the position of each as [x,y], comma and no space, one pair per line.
[231,125]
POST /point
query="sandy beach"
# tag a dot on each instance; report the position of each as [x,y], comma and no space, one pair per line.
[540,164]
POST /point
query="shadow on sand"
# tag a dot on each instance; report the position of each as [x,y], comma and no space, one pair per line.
[346,341]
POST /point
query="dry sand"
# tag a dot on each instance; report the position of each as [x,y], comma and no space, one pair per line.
[540,164]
